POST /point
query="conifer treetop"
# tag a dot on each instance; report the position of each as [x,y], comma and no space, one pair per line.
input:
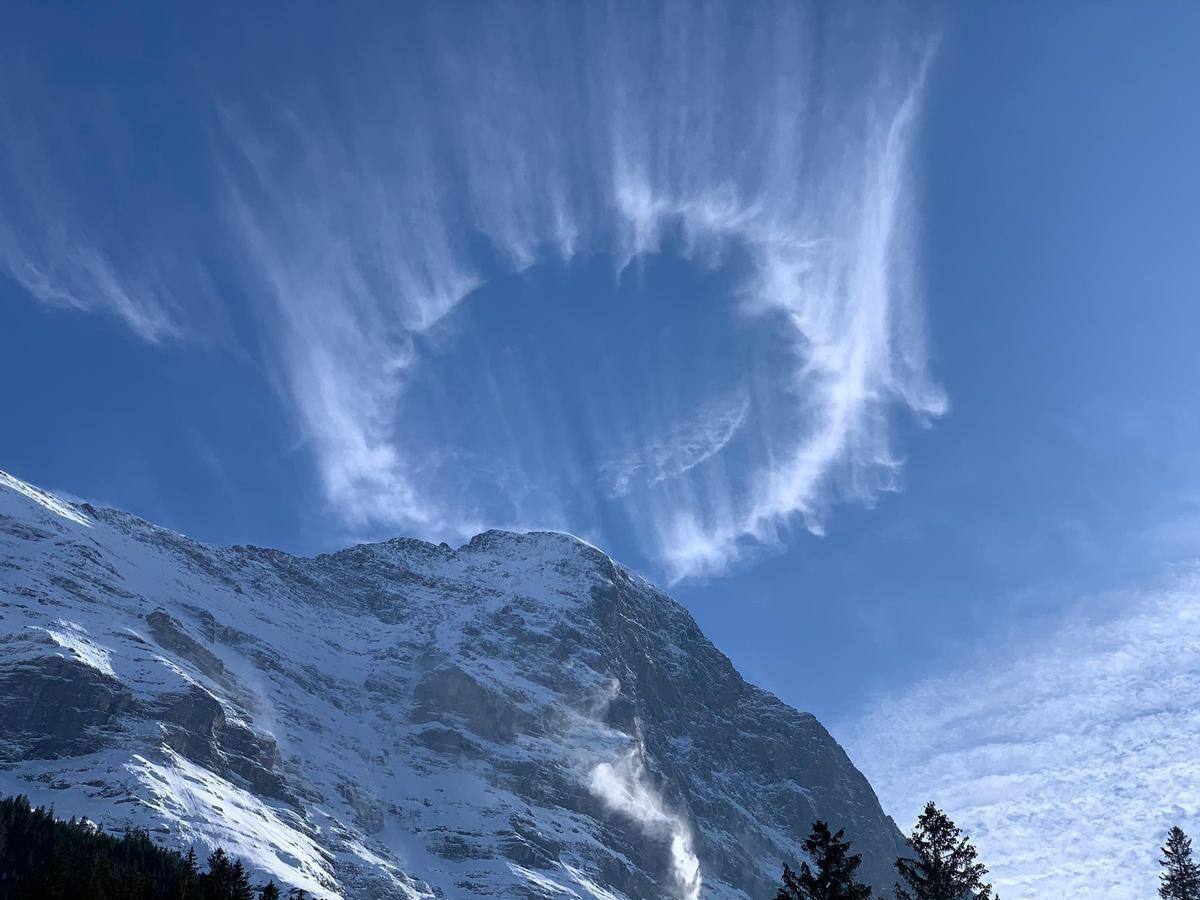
[944,865]
[832,874]
[1180,877]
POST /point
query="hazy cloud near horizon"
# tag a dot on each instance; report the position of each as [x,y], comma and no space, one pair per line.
[1066,753]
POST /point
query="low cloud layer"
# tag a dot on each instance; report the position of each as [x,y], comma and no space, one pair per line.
[1068,757]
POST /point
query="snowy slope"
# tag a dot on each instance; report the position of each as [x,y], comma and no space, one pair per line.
[520,717]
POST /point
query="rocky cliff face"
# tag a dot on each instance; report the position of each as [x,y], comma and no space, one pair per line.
[520,717]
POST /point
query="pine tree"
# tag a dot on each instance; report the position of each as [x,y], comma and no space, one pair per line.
[189,878]
[833,878]
[269,892]
[45,858]
[945,867]
[217,882]
[1180,876]
[239,883]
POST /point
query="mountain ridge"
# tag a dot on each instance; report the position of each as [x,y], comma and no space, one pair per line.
[520,716]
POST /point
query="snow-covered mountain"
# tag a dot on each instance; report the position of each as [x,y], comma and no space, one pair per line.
[520,717]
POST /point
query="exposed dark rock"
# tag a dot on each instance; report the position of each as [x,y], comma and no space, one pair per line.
[171,636]
[53,706]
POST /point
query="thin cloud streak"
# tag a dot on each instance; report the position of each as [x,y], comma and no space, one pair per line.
[66,272]
[1066,758]
[690,443]
[48,249]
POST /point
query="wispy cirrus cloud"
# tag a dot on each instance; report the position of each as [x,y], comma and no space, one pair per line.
[686,445]
[357,209]
[52,245]
[542,139]
[61,269]
[1066,755]
[347,267]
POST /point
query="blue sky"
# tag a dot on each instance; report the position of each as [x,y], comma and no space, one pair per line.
[870,329]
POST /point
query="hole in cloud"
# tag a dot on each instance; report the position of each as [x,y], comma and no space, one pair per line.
[583,393]
[764,155]
[759,155]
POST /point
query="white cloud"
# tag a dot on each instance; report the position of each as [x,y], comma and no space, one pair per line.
[553,140]
[351,260]
[518,136]
[1066,757]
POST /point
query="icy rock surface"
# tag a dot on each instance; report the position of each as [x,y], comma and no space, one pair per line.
[520,717]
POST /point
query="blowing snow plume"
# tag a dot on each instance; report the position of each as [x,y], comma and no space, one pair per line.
[624,788]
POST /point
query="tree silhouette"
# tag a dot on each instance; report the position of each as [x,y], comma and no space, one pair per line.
[1180,878]
[945,865]
[831,876]
[44,858]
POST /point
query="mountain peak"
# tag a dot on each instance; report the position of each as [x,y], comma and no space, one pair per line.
[517,717]
[526,541]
